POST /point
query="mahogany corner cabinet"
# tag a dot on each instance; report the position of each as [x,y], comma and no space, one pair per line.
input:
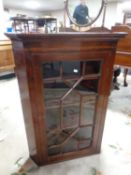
[64,81]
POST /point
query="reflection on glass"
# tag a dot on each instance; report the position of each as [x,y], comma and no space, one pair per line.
[52,118]
[72,70]
[70,98]
[71,116]
[54,151]
[51,69]
[92,67]
[84,133]
[84,144]
[55,90]
[88,86]
[81,13]
[84,11]
[81,140]
[70,146]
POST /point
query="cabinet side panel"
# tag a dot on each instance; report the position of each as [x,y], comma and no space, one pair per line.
[37,102]
[104,92]
[20,71]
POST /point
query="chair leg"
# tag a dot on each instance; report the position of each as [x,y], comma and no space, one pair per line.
[125,77]
[116,74]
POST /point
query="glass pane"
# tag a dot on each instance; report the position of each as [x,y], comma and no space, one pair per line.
[84,144]
[92,67]
[55,90]
[71,68]
[54,151]
[57,138]
[88,109]
[81,140]
[70,146]
[71,116]
[73,98]
[71,110]
[84,133]
[52,118]
[85,87]
[51,69]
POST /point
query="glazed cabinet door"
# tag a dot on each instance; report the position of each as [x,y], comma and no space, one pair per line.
[69,97]
[70,91]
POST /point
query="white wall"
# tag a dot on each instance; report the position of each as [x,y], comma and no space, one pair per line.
[111,14]
[59,14]
[2,21]
[123,6]
[14,12]
[114,14]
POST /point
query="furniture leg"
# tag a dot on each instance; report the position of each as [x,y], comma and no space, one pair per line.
[125,77]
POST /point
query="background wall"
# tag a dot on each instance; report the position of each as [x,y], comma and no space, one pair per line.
[114,14]
[13,12]
[111,15]
[125,6]
[2,21]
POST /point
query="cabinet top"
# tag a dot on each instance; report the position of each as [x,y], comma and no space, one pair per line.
[65,42]
[67,35]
